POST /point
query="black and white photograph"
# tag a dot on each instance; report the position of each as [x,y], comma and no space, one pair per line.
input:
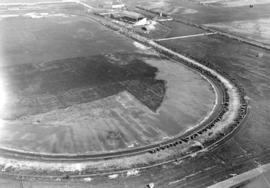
[134,93]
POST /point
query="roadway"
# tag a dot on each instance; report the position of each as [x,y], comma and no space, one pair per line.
[186,36]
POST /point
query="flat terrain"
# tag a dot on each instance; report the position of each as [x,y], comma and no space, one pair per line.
[248,149]
[235,17]
[257,30]
[232,3]
[205,14]
[28,40]
[179,29]
[73,86]
[28,1]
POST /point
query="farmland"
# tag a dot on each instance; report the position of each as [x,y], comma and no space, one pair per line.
[77,88]
[72,82]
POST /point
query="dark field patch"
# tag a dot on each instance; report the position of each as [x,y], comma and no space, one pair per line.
[59,84]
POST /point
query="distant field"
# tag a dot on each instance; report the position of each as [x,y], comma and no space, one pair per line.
[232,3]
[165,6]
[258,30]
[28,1]
[179,29]
[74,86]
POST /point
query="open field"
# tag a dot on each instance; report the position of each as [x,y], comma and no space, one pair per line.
[206,14]
[258,177]
[232,3]
[50,35]
[77,87]
[179,29]
[248,65]
[166,6]
[28,1]
[257,30]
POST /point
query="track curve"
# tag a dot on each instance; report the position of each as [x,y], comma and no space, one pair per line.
[229,98]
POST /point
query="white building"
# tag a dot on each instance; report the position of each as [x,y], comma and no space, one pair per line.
[118,4]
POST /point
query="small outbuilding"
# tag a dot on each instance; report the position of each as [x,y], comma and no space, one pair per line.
[128,16]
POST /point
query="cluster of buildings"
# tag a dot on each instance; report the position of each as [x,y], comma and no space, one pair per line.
[117,10]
